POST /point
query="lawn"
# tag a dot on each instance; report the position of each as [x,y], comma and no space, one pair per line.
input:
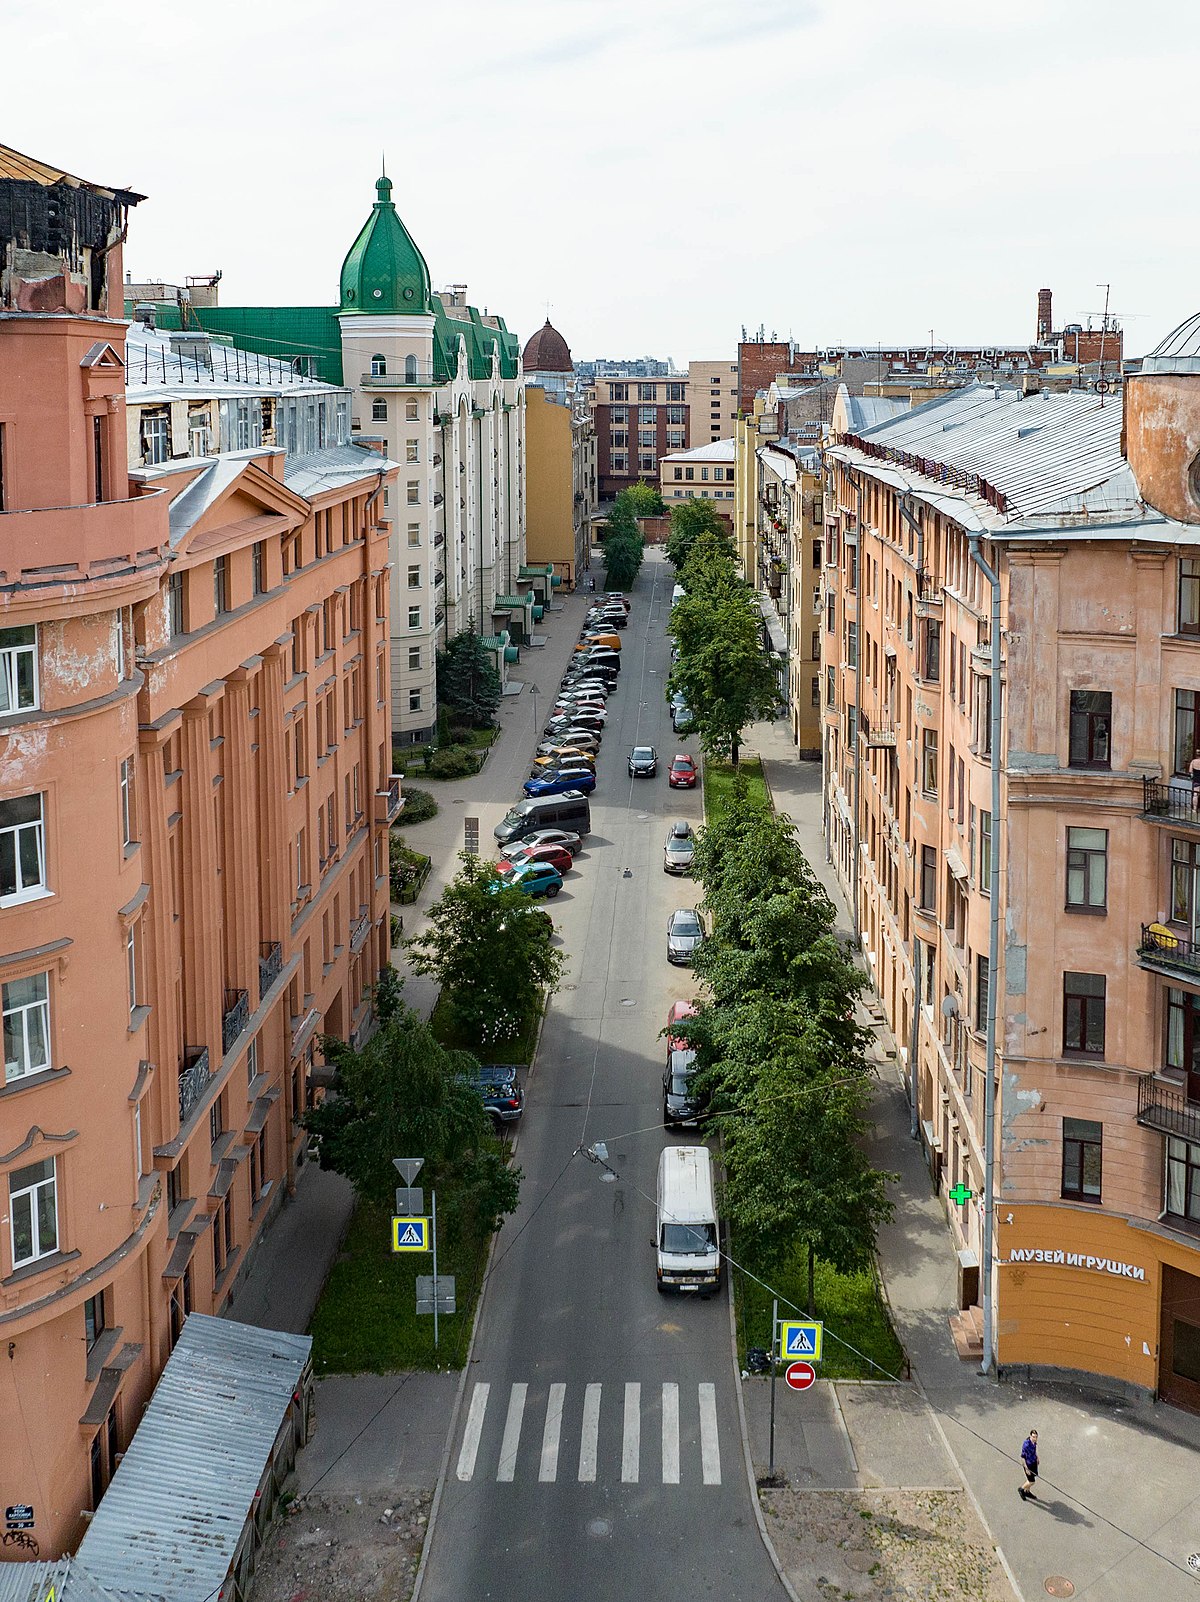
[850,1305]
[366,1321]
[719,783]
[519,1050]
[410,759]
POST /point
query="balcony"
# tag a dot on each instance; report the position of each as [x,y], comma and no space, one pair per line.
[439,539]
[438,578]
[270,965]
[359,930]
[438,497]
[389,802]
[1167,1109]
[194,1079]
[881,737]
[419,377]
[1164,951]
[1170,803]
[235,1017]
[303,1029]
[929,588]
[105,543]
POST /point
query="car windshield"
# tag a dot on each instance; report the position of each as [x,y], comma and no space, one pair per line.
[680,1085]
[685,923]
[678,847]
[640,751]
[688,1240]
[515,815]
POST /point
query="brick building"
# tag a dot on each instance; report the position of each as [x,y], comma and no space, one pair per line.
[638,421]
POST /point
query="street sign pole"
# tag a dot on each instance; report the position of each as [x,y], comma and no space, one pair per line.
[774,1366]
[433,1193]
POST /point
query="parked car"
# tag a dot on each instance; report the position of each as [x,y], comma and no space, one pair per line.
[563,751]
[534,878]
[617,595]
[679,851]
[682,1108]
[564,839]
[586,708]
[594,637]
[497,1084]
[613,617]
[573,720]
[557,856]
[643,762]
[566,759]
[685,933]
[683,773]
[681,716]
[679,1011]
[580,736]
[580,782]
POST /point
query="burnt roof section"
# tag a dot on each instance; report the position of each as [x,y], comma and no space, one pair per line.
[28,170]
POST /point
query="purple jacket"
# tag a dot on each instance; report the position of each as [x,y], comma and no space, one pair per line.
[1029,1456]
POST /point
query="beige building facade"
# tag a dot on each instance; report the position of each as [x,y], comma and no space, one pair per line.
[712,395]
[560,458]
[704,473]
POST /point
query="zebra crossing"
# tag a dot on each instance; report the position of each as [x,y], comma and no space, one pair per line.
[610,1434]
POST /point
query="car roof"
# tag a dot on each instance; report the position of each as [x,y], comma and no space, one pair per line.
[681,829]
[682,756]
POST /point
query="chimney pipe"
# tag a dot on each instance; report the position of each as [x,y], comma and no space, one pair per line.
[1045,317]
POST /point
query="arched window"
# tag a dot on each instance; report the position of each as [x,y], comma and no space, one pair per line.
[379,411]
[378,366]
[410,369]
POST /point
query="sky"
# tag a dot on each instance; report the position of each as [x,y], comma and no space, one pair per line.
[656,175]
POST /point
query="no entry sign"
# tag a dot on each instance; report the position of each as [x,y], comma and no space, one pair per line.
[800,1376]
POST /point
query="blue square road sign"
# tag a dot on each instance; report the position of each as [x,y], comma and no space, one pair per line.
[410,1234]
[800,1338]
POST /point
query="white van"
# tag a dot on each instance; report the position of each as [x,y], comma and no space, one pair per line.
[677,594]
[686,1243]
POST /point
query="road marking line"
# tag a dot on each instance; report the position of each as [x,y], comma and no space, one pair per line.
[632,1435]
[670,1433]
[710,1452]
[590,1435]
[474,1429]
[551,1433]
[512,1432]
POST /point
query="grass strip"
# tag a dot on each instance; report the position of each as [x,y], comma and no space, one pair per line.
[719,780]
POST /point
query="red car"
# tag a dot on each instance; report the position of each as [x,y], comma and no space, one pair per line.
[555,855]
[683,773]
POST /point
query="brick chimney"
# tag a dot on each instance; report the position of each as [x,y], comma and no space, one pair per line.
[1045,320]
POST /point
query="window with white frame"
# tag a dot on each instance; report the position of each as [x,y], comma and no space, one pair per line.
[33,1212]
[128,821]
[22,848]
[411,450]
[198,433]
[414,533]
[26,1026]
[252,1062]
[412,493]
[414,617]
[379,410]
[378,366]
[131,967]
[411,411]
[156,436]
[414,578]
[414,658]
[414,700]
[18,670]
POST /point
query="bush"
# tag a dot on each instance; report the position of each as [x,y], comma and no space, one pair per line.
[455,762]
[418,805]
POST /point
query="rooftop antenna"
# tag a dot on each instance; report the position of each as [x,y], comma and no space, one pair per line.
[382,164]
[1102,382]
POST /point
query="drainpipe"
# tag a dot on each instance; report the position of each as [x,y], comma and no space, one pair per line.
[914,1033]
[987,1366]
[858,656]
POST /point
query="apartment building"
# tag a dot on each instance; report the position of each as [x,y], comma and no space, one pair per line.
[712,398]
[704,473]
[1036,554]
[638,422]
[560,456]
[195,790]
[790,549]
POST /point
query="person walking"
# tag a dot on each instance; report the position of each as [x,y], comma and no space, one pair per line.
[1029,1457]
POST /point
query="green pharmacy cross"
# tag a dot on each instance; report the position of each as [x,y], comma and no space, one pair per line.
[961,1194]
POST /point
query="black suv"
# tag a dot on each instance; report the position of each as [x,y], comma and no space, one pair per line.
[503,1098]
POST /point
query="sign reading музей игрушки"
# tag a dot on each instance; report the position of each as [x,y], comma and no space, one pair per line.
[1065,1259]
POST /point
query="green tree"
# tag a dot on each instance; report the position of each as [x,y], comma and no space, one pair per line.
[467,680]
[622,561]
[489,949]
[722,673]
[402,1095]
[645,500]
[689,520]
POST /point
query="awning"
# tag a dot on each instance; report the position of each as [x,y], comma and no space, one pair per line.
[776,633]
[955,863]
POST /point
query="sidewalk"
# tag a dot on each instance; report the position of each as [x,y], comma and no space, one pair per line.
[1119,1499]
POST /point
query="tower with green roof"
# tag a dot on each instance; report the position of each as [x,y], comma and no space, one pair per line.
[384,272]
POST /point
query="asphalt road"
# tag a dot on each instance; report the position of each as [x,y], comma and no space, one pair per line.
[597,1454]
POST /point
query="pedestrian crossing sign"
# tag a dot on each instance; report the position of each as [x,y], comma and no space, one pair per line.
[800,1338]
[410,1234]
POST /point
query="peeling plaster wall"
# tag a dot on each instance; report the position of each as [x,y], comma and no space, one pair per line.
[80,659]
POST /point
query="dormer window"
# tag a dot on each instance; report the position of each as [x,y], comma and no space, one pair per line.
[378,366]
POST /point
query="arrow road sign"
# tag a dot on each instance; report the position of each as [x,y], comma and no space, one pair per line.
[961,1194]
[800,1338]
[800,1376]
[408,1168]
[410,1234]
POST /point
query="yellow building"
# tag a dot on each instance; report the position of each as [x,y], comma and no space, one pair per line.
[560,458]
[705,473]
[712,399]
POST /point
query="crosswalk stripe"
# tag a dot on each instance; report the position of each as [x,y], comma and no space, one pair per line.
[632,1435]
[710,1452]
[590,1436]
[474,1429]
[670,1433]
[512,1432]
[551,1432]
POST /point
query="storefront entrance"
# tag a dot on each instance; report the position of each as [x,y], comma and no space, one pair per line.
[1179,1340]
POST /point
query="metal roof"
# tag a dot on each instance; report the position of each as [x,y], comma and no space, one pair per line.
[1179,352]
[195,365]
[332,468]
[170,1521]
[721,450]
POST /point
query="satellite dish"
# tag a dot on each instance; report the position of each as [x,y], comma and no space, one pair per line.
[949,1006]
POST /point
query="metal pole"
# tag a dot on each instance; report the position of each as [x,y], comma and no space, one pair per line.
[774,1365]
[987,1365]
[433,1193]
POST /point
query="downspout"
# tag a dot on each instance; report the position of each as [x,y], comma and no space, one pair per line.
[914,1032]
[987,1365]
[858,656]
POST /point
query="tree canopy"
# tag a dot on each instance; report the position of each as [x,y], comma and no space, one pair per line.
[689,520]
[467,680]
[623,543]
[645,500]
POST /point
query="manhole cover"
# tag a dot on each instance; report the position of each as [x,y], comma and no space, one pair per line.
[628,1001]
[1193,1562]
[1059,1585]
[600,1527]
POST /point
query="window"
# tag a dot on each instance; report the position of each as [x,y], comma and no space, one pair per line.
[412,411]
[378,366]
[379,412]
[414,700]
[675,439]
[1087,869]
[814,649]
[830,614]
[618,414]
[929,761]
[414,533]
[181,1304]
[26,1026]
[646,463]
[647,392]
[156,437]
[410,369]
[128,834]
[619,392]
[175,619]
[1189,595]
[1082,1143]
[221,585]
[982,987]
[411,453]
[33,1212]
[985,852]
[414,658]
[620,461]
[851,644]
[620,439]
[22,848]
[1091,722]
[646,439]
[675,393]
[931,662]
[414,578]
[18,670]
[928,889]
[412,493]
[252,1063]
[1183,1179]
[676,416]
[260,567]
[1183,1032]
[1187,728]
[1185,882]
[131,968]
[1083,1013]
[414,617]
[830,687]
[94,1320]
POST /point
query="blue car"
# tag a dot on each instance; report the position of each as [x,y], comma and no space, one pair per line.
[534,878]
[581,783]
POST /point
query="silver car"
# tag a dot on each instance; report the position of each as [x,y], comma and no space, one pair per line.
[679,851]
[684,935]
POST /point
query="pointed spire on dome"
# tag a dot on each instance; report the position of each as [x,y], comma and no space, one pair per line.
[383,270]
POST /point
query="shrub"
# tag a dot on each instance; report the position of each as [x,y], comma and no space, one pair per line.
[455,762]
[418,805]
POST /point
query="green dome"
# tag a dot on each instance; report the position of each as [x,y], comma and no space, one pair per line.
[384,271]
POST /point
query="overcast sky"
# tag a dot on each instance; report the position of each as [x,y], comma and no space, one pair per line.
[660,173]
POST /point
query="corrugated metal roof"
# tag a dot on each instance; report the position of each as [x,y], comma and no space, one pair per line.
[170,1520]
[721,450]
[867,411]
[332,468]
[156,370]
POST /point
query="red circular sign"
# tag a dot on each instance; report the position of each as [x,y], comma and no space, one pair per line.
[800,1376]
